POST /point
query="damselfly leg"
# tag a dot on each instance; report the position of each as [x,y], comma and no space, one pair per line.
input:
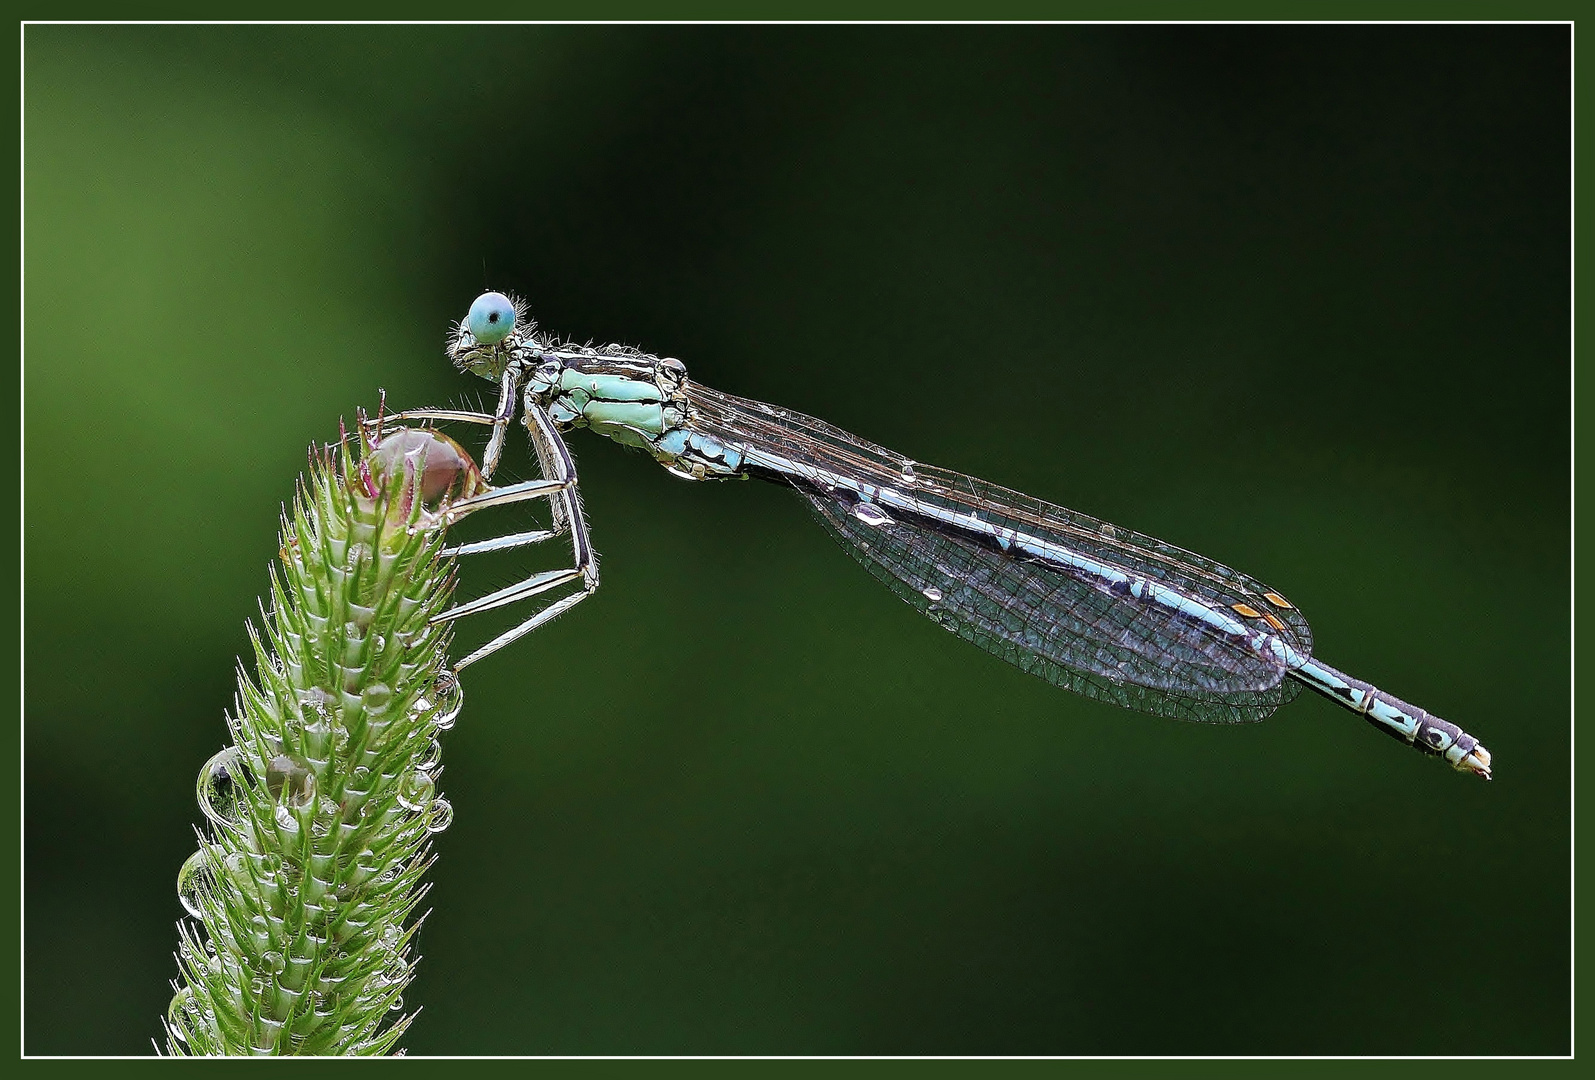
[557,485]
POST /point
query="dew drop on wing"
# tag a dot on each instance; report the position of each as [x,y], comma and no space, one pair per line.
[932,594]
[870,514]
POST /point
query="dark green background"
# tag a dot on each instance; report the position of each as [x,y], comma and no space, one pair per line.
[1296,298]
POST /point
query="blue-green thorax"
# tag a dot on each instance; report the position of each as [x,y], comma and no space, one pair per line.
[629,396]
[635,399]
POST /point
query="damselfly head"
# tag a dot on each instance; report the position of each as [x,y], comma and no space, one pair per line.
[490,333]
[491,318]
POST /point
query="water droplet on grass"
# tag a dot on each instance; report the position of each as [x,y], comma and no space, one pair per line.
[290,780]
[395,971]
[196,882]
[450,698]
[220,788]
[431,757]
[375,697]
[182,1011]
[415,790]
[440,815]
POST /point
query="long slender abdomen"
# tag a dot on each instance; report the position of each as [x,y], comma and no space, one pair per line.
[1397,718]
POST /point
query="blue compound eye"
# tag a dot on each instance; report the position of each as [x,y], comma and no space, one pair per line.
[491,319]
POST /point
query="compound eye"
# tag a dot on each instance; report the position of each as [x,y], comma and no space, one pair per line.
[491,318]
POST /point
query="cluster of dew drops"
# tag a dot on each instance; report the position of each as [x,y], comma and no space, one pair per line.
[283,965]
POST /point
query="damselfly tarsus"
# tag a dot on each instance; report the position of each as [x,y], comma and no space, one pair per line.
[1101,610]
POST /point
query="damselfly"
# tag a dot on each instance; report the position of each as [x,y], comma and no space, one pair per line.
[1101,610]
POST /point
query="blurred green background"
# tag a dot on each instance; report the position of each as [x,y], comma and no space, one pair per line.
[1296,298]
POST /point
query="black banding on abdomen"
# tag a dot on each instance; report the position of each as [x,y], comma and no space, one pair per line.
[1432,734]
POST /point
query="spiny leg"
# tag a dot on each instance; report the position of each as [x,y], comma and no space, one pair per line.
[540,582]
[500,418]
[551,612]
[561,469]
[498,496]
[554,458]
[559,487]
[514,493]
[510,382]
[459,415]
[503,543]
[530,489]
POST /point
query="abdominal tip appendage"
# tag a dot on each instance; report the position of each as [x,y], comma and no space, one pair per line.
[1477,762]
